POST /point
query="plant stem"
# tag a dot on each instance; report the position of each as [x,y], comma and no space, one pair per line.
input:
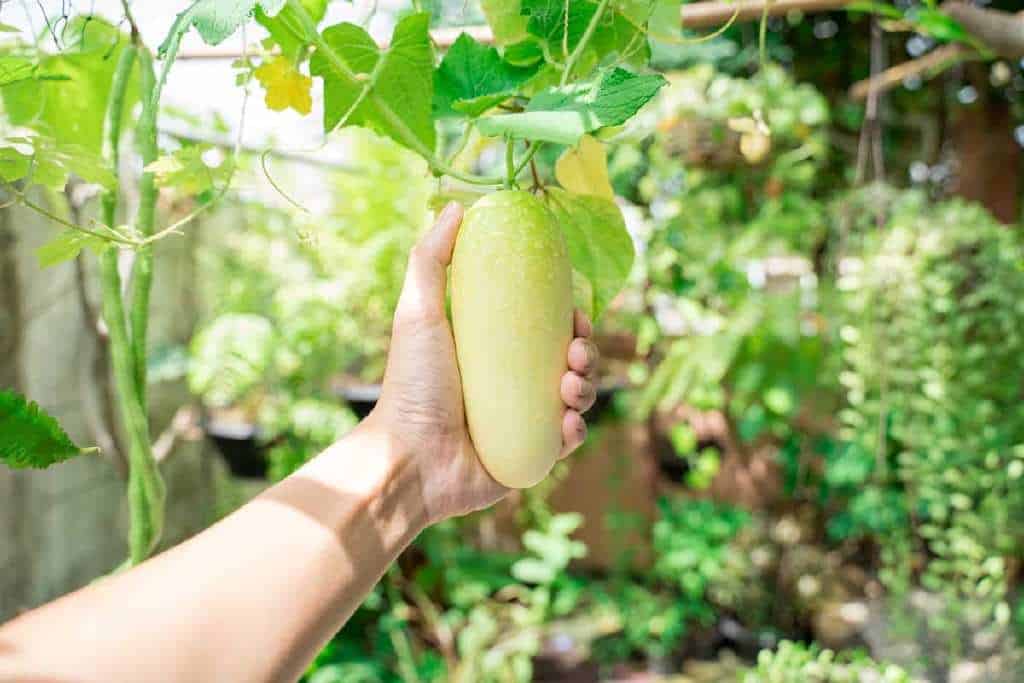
[146,493]
[510,166]
[395,122]
[762,39]
[570,63]
[42,211]
[527,158]
[142,270]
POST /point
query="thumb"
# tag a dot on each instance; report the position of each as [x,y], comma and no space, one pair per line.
[423,292]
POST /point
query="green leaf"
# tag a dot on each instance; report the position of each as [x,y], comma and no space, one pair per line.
[67,245]
[7,28]
[14,165]
[473,78]
[403,83]
[532,570]
[29,437]
[564,115]
[187,171]
[616,32]
[600,247]
[880,8]
[216,20]
[507,24]
[14,69]
[67,99]
[938,25]
[524,53]
[51,162]
[284,28]
[546,19]
[230,358]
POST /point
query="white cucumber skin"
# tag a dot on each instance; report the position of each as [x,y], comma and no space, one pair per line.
[511,294]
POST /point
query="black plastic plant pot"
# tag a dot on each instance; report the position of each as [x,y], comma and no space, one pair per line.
[240,446]
[361,398]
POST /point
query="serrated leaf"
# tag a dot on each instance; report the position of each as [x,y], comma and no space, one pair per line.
[507,24]
[584,169]
[564,115]
[404,83]
[67,245]
[473,78]
[188,171]
[285,85]
[29,437]
[600,247]
[216,20]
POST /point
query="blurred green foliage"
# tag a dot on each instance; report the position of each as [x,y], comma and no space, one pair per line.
[797,663]
[301,310]
[933,430]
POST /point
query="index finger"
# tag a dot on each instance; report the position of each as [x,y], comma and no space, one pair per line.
[581,325]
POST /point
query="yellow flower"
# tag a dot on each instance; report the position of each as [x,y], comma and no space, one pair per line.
[286,86]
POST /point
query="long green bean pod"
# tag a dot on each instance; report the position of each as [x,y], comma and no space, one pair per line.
[146,492]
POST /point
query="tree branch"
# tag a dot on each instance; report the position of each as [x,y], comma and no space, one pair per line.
[712,14]
[932,64]
[1001,32]
[184,423]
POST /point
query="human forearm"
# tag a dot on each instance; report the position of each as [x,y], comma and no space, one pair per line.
[250,599]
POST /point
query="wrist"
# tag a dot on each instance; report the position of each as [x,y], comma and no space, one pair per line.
[375,470]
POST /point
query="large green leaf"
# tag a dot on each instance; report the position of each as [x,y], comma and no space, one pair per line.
[14,164]
[564,115]
[29,437]
[473,78]
[67,98]
[14,69]
[620,29]
[216,20]
[600,247]
[47,162]
[546,19]
[399,78]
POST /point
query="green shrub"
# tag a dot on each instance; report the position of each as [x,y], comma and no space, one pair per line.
[798,663]
[933,338]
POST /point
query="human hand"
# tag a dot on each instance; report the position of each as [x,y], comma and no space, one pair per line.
[421,407]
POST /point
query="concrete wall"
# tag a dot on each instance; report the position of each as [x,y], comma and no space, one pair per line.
[62,527]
